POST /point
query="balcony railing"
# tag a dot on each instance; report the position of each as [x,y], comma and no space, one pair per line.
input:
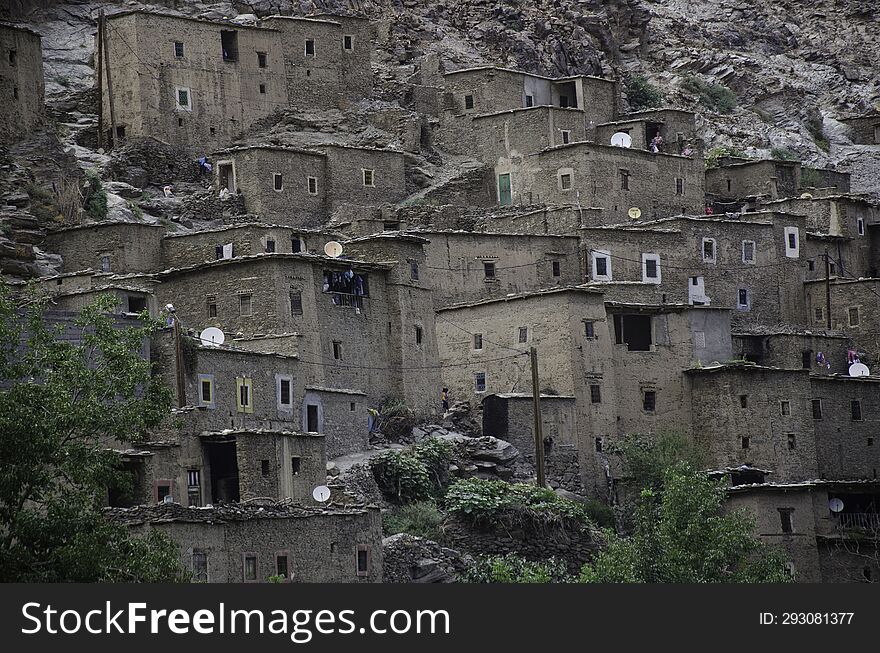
[866,521]
[345,299]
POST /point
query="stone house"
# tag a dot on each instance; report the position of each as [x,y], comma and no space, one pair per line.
[855,309]
[751,263]
[820,351]
[739,179]
[111,246]
[675,126]
[130,299]
[21,81]
[302,187]
[251,543]
[864,130]
[200,84]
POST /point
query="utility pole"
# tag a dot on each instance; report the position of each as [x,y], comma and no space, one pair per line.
[539,427]
[101,79]
[114,132]
[178,360]
[827,290]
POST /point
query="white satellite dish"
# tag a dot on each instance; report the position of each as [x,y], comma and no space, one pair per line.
[835,505]
[859,369]
[806,196]
[333,249]
[621,139]
[212,336]
[321,493]
[635,213]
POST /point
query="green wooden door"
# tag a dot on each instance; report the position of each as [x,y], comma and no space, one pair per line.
[504,194]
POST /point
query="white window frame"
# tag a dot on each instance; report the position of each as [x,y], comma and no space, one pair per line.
[189,98]
[754,252]
[210,379]
[372,172]
[792,252]
[309,186]
[560,174]
[276,176]
[596,254]
[650,257]
[282,407]
[714,258]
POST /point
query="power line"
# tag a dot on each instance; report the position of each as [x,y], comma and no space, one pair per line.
[669,266]
[408,369]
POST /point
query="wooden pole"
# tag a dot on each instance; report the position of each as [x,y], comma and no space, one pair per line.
[827,290]
[114,132]
[101,79]
[178,359]
[539,427]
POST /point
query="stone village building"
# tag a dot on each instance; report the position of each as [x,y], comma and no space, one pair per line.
[21,81]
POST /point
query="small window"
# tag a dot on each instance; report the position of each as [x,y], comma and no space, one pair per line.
[556,268]
[523,335]
[296,244]
[295,465]
[792,247]
[163,489]
[15,92]
[244,305]
[480,382]
[649,401]
[229,43]
[213,131]
[742,298]
[832,268]
[566,136]
[312,418]
[200,566]
[194,487]
[745,442]
[352,406]
[277,181]
[855,408]
[281,568]
[337,350]
[478,341]
[565,181]
[249,567]
[369,178]
[178,49]
[183,98]
[599,444]
[206,390]
[418,331]
[853,314]
[792,441]
[489,269]
[296,302]
[811,266]
[743,401]
[105,263]
[589,329]
[348,42]
[708,250]
[601,266]
[414,270]
[270,246]
[819,315]
[817,408]
[699,339]
[595,394]
[679,186]
[624,179]
[748,251]
[785,408]
[530,101]
[211,303]
[262,60]
[785,518]
[180,122]
[13,57]
[468,102]
[285,392]
[310,48]
[860,225]
[312,185]
[244,398]
[363,560]
[264,468]
[262,89]
[650,268]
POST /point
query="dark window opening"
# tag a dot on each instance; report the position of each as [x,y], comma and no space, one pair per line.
[817,409]
[13,57]
[222,460]
[566,137]
[523,335]
[679,186]
[206,391]
[468,101]
[15,92]
[295,244]
[226,176]
[792,241]
[262,59]
[792,442]
[557,269]
[250,567]
[855,407]
[281,566]
[347,42]
[229,43]
[270,246]
[178,49]
[563,101]
[418,335]
[262,89]
[651,268]
[601,266]
[480,381]
[744,401]
[200,566]
[337,350]
[589,329]
[785,515]
[137,304]
[595,394]
[312,418]
[624,179]
[296,303]
[194,487]
[478,341]
[278,181]
[807,359]
[634,331]
[363,561]
[264,468]
[310,47]
[285,399]
[489,269]
[414,270]
[530,101]
[295,464]
[745,441]
[649,401]
[599,444]
[212,308]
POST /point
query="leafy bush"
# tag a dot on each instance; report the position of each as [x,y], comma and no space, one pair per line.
[714,96]
[396,419]
[413,474]
[642,94]
[421,519]
[784,154]
[511,568]
[647,458]
[810,178]
[600,513]
[95,197]
[488,502]
[719,152]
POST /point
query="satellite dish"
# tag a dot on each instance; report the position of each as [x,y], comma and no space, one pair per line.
[835,505]
[621,139]
[212,336]
[321,493]
[333,249]
[859,369]
[807,196]
[167,499]
[635,213]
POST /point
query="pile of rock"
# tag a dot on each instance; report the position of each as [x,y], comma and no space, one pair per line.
[411,559]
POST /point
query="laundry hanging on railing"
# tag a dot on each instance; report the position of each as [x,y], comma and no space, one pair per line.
[346,282]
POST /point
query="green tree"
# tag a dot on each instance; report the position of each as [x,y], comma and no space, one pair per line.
[511,568]
[683,535]
[646,458]
[641,94]
[64,401]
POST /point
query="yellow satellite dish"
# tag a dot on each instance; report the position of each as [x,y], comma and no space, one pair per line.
[635,213]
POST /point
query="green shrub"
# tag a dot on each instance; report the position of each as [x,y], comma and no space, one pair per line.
[95,197]
[642,94]
[489,502]
[810,178]
[413,474]
[784,154]
[512,568]
[600,513]
[719,152]
[714,96]
[421,519]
